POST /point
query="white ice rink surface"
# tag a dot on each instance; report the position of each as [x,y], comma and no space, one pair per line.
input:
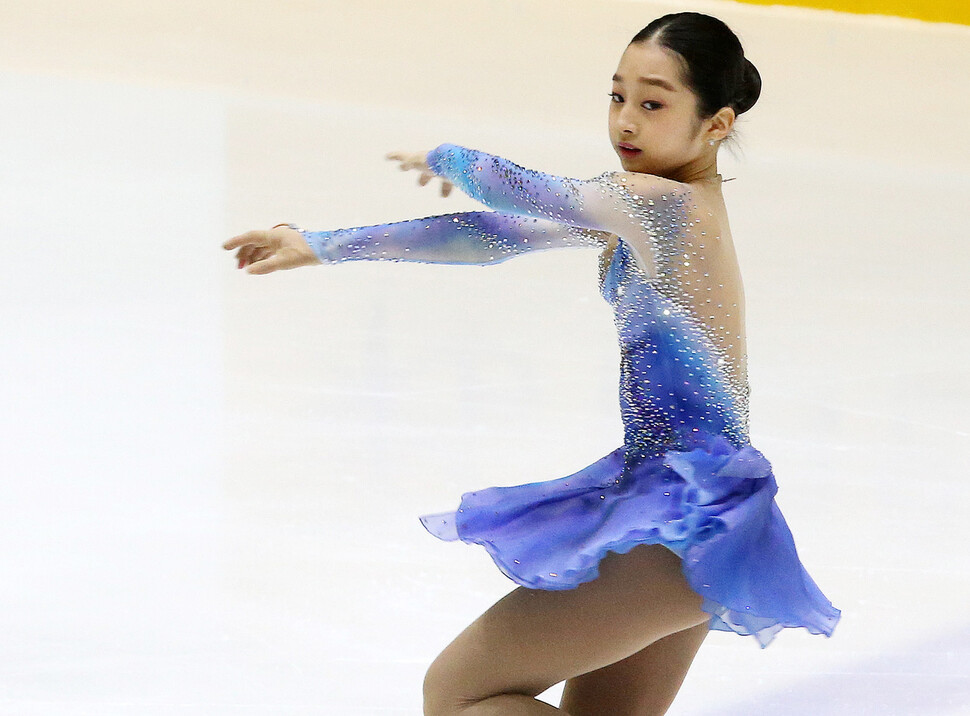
[211,481]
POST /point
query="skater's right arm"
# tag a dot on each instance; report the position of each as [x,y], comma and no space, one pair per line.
[478,238]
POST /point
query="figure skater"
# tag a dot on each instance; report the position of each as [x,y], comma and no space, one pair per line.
[627,564]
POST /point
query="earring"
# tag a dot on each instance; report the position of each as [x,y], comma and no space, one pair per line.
[711,142]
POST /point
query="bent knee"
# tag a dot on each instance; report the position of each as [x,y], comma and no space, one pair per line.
[442,690]
[450,688]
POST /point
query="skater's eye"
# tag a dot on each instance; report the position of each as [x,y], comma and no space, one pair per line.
[615,97]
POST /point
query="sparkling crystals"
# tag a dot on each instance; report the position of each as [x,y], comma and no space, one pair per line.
[711,389]
[677,313]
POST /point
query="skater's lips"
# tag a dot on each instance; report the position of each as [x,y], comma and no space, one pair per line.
[624,145]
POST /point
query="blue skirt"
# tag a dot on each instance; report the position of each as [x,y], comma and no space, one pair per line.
[710,503]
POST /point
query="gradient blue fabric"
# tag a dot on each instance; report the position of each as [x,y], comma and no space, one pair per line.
[707,498]
[686,476]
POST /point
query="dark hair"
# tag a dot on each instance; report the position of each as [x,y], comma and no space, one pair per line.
[716,69]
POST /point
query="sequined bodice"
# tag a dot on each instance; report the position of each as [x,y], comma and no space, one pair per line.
[672,281]
[686,476]
[677,371]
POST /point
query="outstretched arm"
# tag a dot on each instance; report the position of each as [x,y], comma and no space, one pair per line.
[538,211]
[481,237]
[622,203]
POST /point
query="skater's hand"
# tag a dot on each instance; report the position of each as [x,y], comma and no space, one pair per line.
[268,250]
[411,160]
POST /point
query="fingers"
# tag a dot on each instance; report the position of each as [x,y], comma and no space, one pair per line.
[250,253]
[267,265]
[446,186]
[409,160]
[417,161]
[402,156]
[254,237]
[254,248]
[267,262]
[258,255]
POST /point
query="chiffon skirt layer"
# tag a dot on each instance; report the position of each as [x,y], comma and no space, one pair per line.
[710,503]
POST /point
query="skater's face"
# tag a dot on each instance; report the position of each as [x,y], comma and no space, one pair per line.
[654,123]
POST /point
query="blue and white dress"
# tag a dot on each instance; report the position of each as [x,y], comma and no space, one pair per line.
[686,476]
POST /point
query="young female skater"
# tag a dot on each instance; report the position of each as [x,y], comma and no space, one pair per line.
[625,565]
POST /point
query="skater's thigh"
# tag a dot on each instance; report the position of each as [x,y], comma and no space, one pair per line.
[532,639]
[644,683]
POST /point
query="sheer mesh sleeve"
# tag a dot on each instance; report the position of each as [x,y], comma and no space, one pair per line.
[483,237]
[612,202]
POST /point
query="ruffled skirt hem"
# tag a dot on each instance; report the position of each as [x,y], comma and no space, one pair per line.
[711,504]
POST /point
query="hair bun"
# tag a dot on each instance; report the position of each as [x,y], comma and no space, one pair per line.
[750,88]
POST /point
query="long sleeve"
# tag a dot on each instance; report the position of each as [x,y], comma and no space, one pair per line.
[627,204]
[483,237]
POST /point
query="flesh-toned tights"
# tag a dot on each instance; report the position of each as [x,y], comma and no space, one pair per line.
[622,643]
